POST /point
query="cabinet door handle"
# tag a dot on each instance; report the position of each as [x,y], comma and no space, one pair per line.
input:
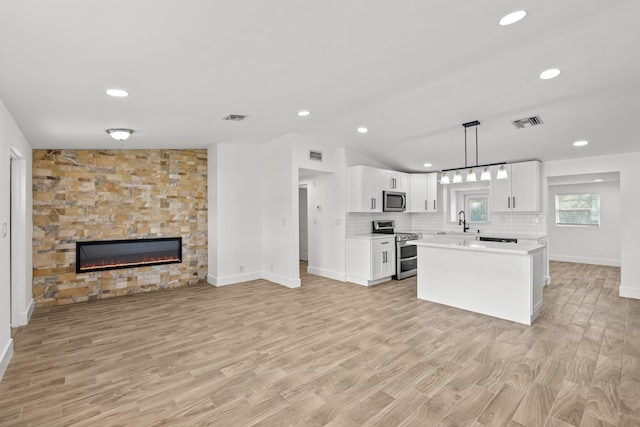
[434,204]
[514,202]
[425,205]
[372,203]
[509,202]
[375,203]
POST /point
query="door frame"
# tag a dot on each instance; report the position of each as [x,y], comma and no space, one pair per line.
[20,313]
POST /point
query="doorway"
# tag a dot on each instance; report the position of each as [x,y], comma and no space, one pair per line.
[303,221]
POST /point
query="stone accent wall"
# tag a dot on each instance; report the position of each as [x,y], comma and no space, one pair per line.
[81,195]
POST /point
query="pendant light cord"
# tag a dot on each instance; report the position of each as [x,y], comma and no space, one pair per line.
[476,146]
[465,147]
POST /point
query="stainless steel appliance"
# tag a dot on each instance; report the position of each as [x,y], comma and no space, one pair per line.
[394,201]
[406,255]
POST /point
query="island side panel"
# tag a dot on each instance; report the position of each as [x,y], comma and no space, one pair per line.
[495,284]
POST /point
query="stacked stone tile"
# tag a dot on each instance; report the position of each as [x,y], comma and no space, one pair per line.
[81,195]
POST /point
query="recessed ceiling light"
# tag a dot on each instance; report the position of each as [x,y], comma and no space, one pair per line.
[119,134]
[551,73]
[363,130]
[427,165]
[580,143]
[119,93]
[597,180]
[512,18]
[303,113]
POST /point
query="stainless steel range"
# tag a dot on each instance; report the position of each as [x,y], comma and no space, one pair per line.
[406,255]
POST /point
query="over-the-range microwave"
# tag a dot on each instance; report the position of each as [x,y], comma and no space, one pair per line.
[394,201]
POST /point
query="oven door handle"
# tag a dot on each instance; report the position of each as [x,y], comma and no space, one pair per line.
[408,259]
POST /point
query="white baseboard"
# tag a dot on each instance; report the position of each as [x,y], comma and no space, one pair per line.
[275,278]
[5,357]
[327,273]
[32,306]
[22,319]
[584,260]
[365,282]
[281,280]
[230,280]
[628,292]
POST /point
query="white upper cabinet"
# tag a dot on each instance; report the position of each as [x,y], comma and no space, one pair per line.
[520,192]
[395,181]
[424,192]
[365,189]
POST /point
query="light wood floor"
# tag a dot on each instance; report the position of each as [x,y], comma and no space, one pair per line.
[329,353]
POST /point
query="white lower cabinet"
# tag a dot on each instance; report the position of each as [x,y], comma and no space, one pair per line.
[545,256]
[370,261]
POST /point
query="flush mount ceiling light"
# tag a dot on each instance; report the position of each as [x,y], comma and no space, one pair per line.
[303,113]
[362,130]
[118,93]
[580,143]
[551,73]
[119,134]
[512,18]
[471,175]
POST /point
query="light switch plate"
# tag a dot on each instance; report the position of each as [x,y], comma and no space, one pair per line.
[5,230]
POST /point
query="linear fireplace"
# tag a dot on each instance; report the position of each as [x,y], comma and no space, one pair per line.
[113,254]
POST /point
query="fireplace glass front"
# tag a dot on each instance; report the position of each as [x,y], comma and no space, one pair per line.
[113,254]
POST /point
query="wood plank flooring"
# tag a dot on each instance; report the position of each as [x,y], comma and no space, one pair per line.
[329,353]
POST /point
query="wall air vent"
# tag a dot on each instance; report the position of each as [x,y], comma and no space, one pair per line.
[527,122]
[315,155]
[235,117]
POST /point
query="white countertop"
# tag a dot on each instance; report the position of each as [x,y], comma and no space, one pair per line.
[473,233]
[371,236]
[474,245]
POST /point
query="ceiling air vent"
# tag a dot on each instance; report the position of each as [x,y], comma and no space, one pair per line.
[315,155]
[527,122]
[235,117]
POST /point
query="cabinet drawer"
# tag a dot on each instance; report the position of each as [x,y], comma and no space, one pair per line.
[383,243]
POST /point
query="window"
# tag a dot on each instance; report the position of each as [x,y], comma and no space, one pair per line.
[477,207]
[578,209]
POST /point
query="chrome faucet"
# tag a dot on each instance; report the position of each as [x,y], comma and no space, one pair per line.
[463,221]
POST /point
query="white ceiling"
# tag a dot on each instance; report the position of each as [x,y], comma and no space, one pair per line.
[411,71]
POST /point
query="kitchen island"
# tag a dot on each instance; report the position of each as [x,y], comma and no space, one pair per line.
[503,280]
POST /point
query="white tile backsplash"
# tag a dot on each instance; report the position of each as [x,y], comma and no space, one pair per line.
[360,223]
[502,223]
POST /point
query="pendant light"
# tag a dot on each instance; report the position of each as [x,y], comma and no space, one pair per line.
[486,175]
[470,175]
[502,173]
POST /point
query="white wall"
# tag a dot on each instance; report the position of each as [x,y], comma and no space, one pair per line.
[627,165]
[10,135]
[280,213]
[589,245]
[235,213]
